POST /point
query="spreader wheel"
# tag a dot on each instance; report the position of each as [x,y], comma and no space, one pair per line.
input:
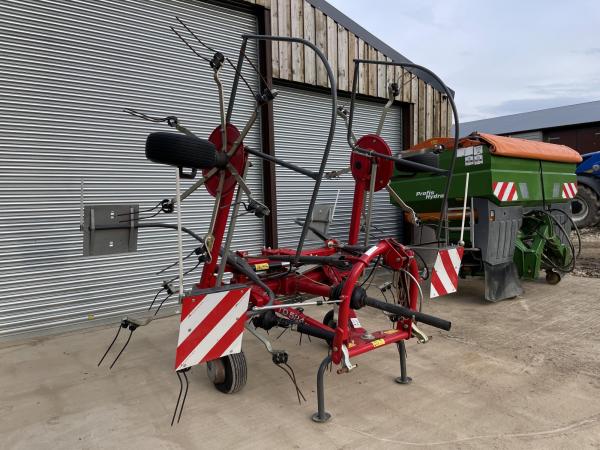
[329,319]
[228,373]
[552,277]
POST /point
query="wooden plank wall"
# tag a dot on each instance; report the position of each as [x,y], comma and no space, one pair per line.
[432,114]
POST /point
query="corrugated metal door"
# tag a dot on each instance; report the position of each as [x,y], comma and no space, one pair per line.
[301,126]
[530,135]
[68,69]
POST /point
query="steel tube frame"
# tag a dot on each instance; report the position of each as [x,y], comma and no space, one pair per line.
[357,63]
[333,84]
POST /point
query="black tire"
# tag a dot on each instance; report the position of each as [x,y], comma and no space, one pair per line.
[236,373]
[181,150]
[328,319]
[553,277]
[585,207]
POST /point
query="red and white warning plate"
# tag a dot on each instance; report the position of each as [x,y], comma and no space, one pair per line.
[444,276]
[505,191]
[569,190]
[211,325]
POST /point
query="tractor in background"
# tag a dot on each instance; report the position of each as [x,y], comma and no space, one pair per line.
[586,204]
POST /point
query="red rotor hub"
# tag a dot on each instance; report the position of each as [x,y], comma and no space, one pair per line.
[361,164]
[238,160]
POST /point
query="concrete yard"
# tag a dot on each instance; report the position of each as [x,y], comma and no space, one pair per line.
[517,374]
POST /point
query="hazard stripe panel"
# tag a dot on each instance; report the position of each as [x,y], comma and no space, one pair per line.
[444,277]
[505,191]
[569,190]
[211,326]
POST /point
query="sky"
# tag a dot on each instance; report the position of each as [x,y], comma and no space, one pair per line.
[500,57]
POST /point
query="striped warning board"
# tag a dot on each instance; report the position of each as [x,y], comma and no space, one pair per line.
[505,191]
[211,326]
[444,277]
[569,190]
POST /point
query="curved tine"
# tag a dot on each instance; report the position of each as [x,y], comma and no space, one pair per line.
[188,45]
[110,346]
[178,397]
[123,349]
[155,297]
[294,380]
[194,35]
[162,303]
[187,385]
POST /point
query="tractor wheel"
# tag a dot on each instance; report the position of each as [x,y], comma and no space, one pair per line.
[329,319]
[228,373]
[552,277]
[585,207]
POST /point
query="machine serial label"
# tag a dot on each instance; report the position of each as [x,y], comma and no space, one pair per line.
[429,195]
[355,322]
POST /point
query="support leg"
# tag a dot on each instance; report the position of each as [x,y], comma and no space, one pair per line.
[321,415]
[402,379]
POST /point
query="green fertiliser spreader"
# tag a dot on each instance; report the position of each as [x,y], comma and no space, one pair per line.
[517,217]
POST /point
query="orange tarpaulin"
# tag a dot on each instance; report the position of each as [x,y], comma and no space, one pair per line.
[523,148]
[511,147]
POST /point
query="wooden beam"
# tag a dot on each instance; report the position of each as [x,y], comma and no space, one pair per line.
[342,58]
[381,77]
[352,55]
[429,112]
[444,117]
[285,48]
[321,41]
[310,67]
[332,37]
[275,44]
[390,77]
[414,95]
[297,30]
[363,70]
[372,89]
[422,122]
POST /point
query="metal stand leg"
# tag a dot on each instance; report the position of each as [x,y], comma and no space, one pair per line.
[321,415]
[402,379]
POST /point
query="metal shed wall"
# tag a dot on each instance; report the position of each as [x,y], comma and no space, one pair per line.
[68,69]
[301,127]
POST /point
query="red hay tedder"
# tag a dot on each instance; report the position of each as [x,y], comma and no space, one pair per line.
[256,293]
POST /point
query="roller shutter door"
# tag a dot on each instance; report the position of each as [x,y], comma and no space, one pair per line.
[530,135]
[301,126]
[68,69]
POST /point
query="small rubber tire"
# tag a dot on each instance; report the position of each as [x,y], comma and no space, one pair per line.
[585,207]
[328,319]
[236,373]
[181,150]
[552,277]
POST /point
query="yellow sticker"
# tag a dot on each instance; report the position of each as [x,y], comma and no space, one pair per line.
[261,266]
[351,344]
[378,342]
[390,331]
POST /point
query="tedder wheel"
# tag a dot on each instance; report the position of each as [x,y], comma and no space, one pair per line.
[329,320]
[585,207]
[552,277]
[228,373]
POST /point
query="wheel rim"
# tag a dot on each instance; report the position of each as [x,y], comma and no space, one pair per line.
[216,371]
[579,210]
